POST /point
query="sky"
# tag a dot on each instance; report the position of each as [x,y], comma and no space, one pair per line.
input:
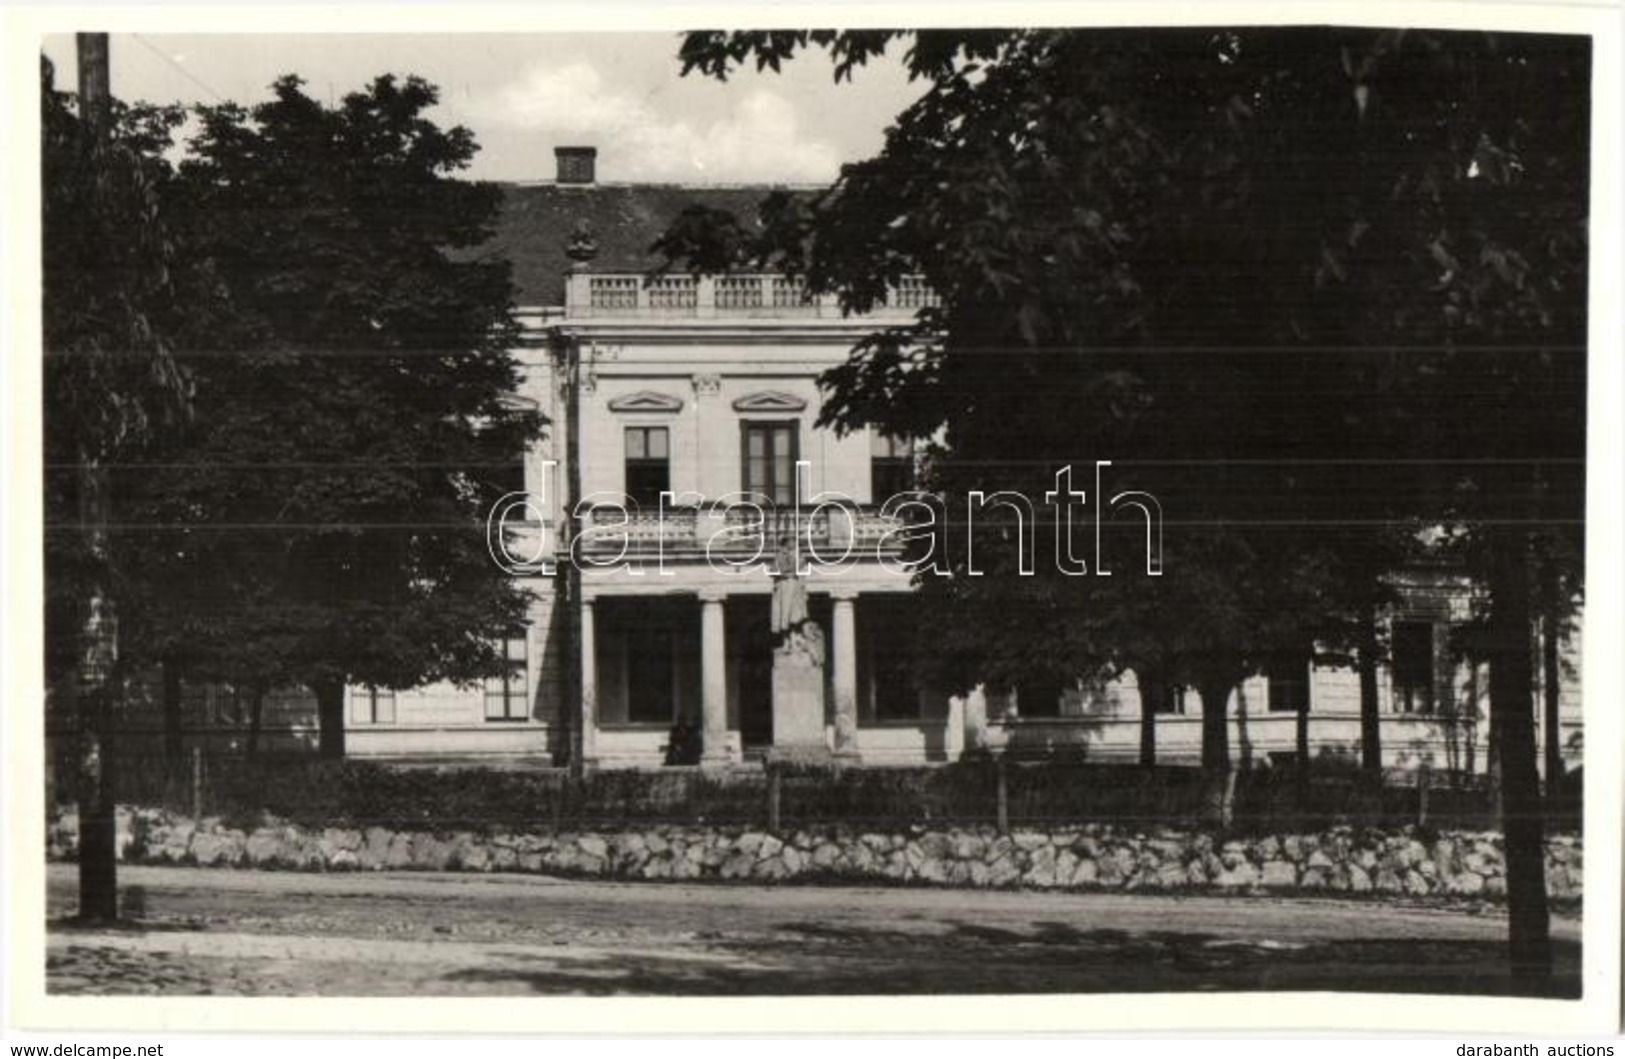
[524,94]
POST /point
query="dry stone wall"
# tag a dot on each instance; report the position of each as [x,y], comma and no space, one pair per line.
[1340,860]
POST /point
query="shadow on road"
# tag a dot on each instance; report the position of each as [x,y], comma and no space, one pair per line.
[806,958]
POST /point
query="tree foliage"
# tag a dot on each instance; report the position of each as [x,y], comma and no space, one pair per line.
[323,522]
[1314,288]
[1212,256]
[113,286]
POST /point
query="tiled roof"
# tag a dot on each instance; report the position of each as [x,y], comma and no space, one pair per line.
[625,219]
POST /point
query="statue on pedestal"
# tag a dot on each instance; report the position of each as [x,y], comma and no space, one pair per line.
[798,665]
[798,640]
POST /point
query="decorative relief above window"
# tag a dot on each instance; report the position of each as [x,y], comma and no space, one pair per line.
[646,401]
[770,401]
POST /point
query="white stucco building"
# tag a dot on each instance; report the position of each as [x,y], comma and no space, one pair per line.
[706,387]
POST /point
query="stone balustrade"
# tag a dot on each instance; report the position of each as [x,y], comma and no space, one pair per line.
[622,295]
[681,530]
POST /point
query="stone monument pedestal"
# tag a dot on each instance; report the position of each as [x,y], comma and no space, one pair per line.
[798,712]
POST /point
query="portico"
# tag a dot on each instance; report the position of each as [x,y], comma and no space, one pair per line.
[702,657]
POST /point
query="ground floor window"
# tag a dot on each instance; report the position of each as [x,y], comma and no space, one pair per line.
[647,661]
[1167,698]
[1413,666]
[897,698]
[371,705]
[649,691]
[1288,676]
[887,687]
[505,693]
[1040,697]
[230,705]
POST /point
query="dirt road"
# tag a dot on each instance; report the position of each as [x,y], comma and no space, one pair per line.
[264,933]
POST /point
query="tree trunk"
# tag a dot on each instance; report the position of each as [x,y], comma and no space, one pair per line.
[98,830]
[1470,721]
[1151,691]
[98,640]
[1511,708]
[1217,779]
[1552,670]
[1244,737]
[256,713]
[1492,759]
[1300,778]
[174,736]
[94,678]
[1370,717]
[330,716]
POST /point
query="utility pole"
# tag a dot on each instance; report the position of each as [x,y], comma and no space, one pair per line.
[98,638]
[579,695]
[95,93]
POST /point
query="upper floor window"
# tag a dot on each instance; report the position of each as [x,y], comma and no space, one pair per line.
[648,465]
[1288,676]
[891,466]
[770,451]
[1413,666]
[502,476]
[505,697]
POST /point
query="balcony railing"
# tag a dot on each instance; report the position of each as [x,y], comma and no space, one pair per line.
[676,531]
[748,296]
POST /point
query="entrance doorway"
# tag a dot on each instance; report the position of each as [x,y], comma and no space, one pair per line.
[750,665]
[750,647]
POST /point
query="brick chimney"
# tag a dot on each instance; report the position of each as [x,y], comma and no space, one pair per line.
[576,164]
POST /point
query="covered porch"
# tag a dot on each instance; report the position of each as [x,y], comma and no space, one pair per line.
[687,678]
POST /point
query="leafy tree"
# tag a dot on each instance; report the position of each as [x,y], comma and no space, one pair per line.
[1322,285]
[111,290]
[324,524]
[112,389]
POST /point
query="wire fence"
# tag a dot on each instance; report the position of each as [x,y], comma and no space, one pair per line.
[537,797]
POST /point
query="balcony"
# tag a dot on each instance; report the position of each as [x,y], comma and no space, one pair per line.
[632,296]
[689,531]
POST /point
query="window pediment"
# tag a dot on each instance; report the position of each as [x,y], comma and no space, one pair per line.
[646,401]
[770,401]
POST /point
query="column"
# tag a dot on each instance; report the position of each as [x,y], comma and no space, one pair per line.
[845,657]
[589,685]
[713,680]
[705,421]
[953,736]
[975,713]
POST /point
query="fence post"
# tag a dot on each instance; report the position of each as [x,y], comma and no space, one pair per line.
[772,799]
[1424,777]
[561,784]
[1002,795]
[197,783]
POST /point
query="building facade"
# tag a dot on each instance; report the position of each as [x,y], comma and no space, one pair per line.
[706,388]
